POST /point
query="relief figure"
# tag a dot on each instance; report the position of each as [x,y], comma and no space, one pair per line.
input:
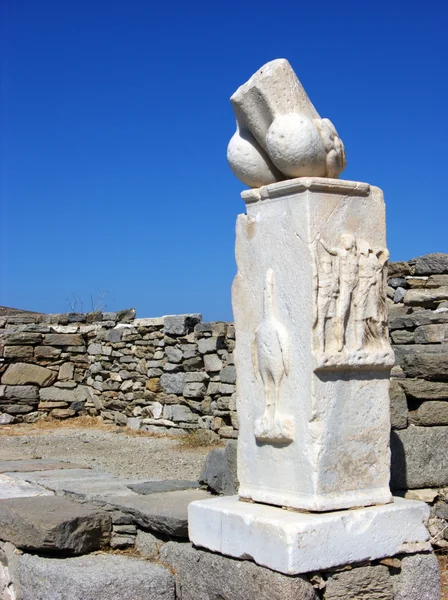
[326,290]
[350,289]
[270,354]
[346,261]
[369,298]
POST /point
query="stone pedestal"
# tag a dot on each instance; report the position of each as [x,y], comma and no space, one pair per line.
[312,353]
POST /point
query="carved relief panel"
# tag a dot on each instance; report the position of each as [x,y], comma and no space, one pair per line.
[350,318]
[271,356]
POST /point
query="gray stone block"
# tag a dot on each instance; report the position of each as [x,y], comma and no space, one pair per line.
[421,389]
[432,334]
[21,392]
[220,470]
[194,390]
[419,458]
[63,339]
[230,482]
[180,324]
[431,412]
[212,362]
[428,297]
[429,264]
[398,406]
[213,470]
[6,419]
[166,485]
[173,383]
[30,465]
[402,336]
[429,361]
[174,355]
[94,577]
[28,374]
[165,513]
[419,578]
[53,523]
[228,375]
[204,575]
[417,319]
[398,269]
[148,545]
[14,352]
[397,282]
[368,583]
[210,345]
[22,338]
[399,295]
[56,394]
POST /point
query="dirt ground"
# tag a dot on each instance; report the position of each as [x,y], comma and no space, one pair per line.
[105,447]
[118,451]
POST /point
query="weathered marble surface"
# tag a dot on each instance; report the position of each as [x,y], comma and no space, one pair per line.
[312,353]
[293,542]
[279,133]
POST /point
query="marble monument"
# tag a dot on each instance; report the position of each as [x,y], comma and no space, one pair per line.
[312,353]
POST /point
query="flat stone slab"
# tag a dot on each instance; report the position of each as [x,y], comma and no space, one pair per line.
[83,483]
[291,542]
[50,524]
[164,512]
[92,577]
[47,464]
[168,485]
[12,488]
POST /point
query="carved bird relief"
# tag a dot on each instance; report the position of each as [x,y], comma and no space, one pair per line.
[270,354]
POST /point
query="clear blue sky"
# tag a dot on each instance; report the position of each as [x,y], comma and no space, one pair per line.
[115,120]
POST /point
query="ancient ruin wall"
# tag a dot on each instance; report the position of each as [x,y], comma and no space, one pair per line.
[168,374]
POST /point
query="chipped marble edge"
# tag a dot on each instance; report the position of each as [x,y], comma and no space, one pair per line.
[300,184]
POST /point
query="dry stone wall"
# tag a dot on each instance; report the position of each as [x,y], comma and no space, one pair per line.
[418,325]
[169,374]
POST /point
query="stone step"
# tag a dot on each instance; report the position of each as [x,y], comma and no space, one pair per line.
[13,488]
[163,485]
[44,464]
[165,513]
[53,524]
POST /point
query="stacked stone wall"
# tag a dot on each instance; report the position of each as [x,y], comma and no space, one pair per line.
[166,375]
[418,325]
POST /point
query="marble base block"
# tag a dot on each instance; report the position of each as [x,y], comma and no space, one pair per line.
[312,353]
[292,542]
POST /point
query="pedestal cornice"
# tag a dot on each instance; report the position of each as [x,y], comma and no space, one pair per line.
[301,184]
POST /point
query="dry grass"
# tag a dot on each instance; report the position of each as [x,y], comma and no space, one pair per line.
[130,551]
[50,424]
[443,563]
[199,438]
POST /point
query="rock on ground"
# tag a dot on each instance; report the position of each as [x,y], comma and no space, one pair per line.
[419,578]
[368,583]
[93,577]
[202,575]
[53,523]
